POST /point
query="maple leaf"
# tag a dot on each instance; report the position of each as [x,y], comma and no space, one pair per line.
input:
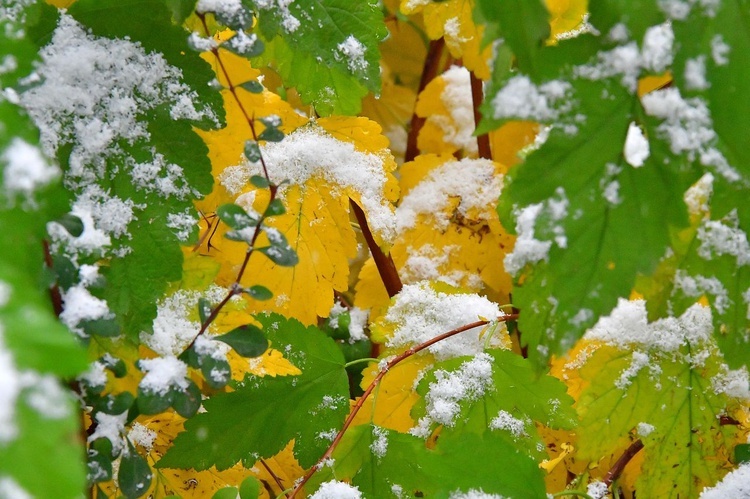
[453,20]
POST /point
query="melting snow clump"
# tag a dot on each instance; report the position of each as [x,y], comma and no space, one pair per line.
[636,146]
[521,99]
[736,484]
[336,490]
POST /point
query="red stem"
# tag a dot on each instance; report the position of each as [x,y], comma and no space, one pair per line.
[477,95]
[384,263]
[431,69]
[375,382]
[617,469]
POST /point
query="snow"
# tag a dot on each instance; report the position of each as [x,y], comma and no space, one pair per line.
[736,485]
[695,74]
[505,421]
[111,427]
[201,43]
[473,494]
[379,445]
[619,33]
[719,50]
[473,183]
[95,376]
[229,10]
[163,374]
[26,170]
[645,429]
[597,490]
[697,286]
[656,51]
[675,9]
[174,328]
[352,51]
[357,323]
[626,327]
[688,128]
[142,435]
[336,490]
[466,384]
[733,383]
[242,43]
[640,360]
[80,305]
[521,99]
[636,149]
[10,489]
[419,313]
[718,238]
[458,127]
[182,224]
[10,388]
[159,176]
[310,152]
[281,7]
[698,195]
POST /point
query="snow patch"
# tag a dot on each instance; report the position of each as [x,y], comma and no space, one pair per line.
[636,148]
[336,490]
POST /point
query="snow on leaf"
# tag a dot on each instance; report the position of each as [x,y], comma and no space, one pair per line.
[661,374]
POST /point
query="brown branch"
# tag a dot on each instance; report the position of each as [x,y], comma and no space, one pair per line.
[477,96]
[430,70]
[384,263]
[375,382]
[54,289]
[617,469]
[273,475]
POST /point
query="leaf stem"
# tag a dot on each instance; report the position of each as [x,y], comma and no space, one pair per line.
[477,96]
[617,468]
[384,263]
[360,361]
[376,382]
[429,72]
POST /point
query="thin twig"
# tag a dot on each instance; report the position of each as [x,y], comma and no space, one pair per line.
[431,69]
[376,381]
[384,263]
[477,96]
[617,469]
[273,475]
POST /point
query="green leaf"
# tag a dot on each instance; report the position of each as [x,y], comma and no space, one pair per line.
[597,243]
[327,49]
[247,340]
[204,309]
[226,493]
[216,372]
[636,15]
[149,22]
[99,467]
[281,255]
[134,475]
[252,153]
[72,224]
[259,181]
[153,403]
[181,9]
[187,402]
[246,45]
[47,447]
[115,403]
[742,453]
[254,87]
[685,443]
[275,208]
[258,292]
[523,24]
[377,459]
[236,217]
[271,134]
[100,327]
[282,407]
[250,488]
[512,401]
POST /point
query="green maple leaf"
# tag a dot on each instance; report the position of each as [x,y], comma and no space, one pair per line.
[377,459]
[515,399]
[263,414]
[685,445]
[327,49]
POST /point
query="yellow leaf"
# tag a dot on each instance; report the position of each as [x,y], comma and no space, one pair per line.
[391,402]
[565,15]
[650,83]
[509,139]
[446,232]
[453,20]
[446,104]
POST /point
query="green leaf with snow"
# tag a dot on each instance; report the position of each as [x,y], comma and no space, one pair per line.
[377,459]
[625,19]
[44,440]
[327,49]
[663,382]
[590,214]
[309,408]
[496,393]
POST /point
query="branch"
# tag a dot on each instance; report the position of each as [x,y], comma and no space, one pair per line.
[376,381]
[384,263]
[617,469]
[477,96]
[430,70]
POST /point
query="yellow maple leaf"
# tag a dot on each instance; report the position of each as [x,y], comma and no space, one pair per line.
[508,140]
[447,231]
[565,15]
[453,20]
[447,106]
